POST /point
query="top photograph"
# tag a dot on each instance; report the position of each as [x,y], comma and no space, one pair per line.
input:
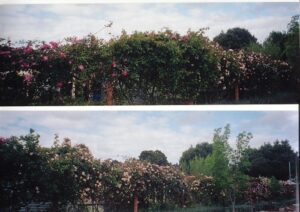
[149,54]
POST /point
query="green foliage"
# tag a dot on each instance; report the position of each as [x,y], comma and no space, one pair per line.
[274,45]
[194,154]
[154,157]
[65,174]
[274,187]
[141,68]
[272,160]
[293,51]
[235,38]
[220,159]
[201,166]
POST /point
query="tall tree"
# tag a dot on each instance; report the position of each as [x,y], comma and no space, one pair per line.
[274,45]
[293,51]
[272,160]
[155,157]
[201,150]
[239,163]
[235,38]
[220,159]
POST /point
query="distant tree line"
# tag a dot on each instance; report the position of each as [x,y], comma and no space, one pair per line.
[269,160]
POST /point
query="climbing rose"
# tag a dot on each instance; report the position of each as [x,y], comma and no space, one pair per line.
[81,67]
[2,140]
[28,50]
[45,46]
[124,73]
[27,78]
[62,54]
[54,45]
[45,58]
[59,85]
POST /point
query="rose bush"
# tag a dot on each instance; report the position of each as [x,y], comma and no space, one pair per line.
[142,68]
[67,174]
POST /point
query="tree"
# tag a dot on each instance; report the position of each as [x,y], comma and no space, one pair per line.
[154,157]
[239,163]
[292,49]
[200,151]
[235,38]
[220,160]
[272,160]
[226,165]
[274,45]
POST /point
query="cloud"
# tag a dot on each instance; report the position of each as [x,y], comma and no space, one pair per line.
[55,22]
[119,135]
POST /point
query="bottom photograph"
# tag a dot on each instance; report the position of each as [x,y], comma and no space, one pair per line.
[149,161]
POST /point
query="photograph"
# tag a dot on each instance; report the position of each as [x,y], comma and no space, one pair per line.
[149,53]
[147,161]
[157,106]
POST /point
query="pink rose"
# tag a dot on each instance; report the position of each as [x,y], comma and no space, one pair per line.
[4,52]
[81,67]
[54,45]
[62,54]
[45,46]
[28,50]
[59,85]
[27,78]
[45,58]
[124,73]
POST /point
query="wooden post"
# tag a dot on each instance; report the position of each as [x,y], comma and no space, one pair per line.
[237,92]
[109,94]
[109,87]
[73,94]
[135,203]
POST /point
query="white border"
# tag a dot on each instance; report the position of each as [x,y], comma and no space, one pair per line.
[284,107]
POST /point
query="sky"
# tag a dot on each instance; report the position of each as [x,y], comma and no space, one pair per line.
[57,21]
[124,134]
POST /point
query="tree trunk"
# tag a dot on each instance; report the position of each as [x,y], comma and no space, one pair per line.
[135,203]
[237,92]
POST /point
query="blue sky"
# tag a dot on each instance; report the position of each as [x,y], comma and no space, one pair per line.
[123,134]
[57,21]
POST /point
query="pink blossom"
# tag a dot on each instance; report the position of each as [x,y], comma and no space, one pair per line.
[2,140]
[70,62]
[81,67]
[54,45]
[113,75]
[5,52]
[25,65]
[45,58]
[62,54]
[27,78]
[124,73]
[27,50]
[59,85]
[45,46]
[114,65]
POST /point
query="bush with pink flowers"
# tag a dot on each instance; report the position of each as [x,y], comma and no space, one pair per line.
[66,174]
[149,68]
